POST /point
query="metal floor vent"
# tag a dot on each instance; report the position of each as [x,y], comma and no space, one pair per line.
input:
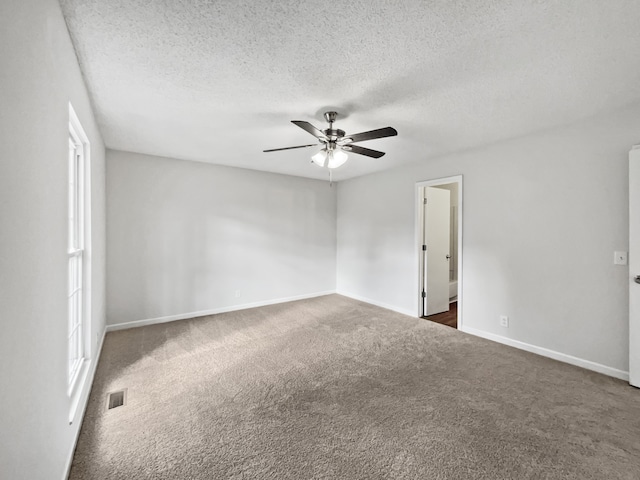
[116,399]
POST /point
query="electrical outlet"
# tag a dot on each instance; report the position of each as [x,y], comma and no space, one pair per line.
[504,321]
[620,258]
[237,293]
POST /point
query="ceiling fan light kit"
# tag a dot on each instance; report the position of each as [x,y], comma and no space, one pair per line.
[330,158]
[335,142]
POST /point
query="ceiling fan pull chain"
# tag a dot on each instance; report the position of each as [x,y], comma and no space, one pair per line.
[330,178]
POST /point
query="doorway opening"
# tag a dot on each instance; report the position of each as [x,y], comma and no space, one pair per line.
[439,234]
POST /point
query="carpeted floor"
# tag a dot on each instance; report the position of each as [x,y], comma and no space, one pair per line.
[331,388]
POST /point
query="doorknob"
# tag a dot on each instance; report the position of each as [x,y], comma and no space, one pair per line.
[637,279]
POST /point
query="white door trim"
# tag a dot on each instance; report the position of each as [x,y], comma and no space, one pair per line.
[634,268]
[419,218]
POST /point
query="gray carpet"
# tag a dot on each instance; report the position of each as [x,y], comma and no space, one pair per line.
[331,388]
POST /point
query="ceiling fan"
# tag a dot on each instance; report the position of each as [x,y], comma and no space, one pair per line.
[335,142]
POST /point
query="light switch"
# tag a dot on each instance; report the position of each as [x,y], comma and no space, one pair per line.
[620,258]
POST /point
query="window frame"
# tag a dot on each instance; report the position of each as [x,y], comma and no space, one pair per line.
[79,346]
[76,254]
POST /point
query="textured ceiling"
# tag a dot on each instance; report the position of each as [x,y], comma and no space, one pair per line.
[219,80]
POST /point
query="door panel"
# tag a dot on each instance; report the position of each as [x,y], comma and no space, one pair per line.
[437,219]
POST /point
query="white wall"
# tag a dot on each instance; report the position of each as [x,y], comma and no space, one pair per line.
[184,236]
[543,215]
[39,75]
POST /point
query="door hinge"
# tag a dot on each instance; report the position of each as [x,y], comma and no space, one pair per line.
[425,200]
[424,294]
[424,248]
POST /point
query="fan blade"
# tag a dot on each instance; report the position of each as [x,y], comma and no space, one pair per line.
[363,151]
[290,148]
[379,133]
[310,128]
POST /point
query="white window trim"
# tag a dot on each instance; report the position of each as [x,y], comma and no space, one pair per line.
[77,383]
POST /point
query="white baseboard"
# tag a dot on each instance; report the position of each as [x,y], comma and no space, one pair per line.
[545,352]
[214,311]
[378,304]
[84,401]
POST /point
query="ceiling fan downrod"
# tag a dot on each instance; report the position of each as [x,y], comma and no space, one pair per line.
[331,133]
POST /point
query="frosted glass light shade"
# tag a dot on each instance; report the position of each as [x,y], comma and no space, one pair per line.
[336,158]
[320,158]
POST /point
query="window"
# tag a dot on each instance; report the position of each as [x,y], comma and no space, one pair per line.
[76,256]
[77,291]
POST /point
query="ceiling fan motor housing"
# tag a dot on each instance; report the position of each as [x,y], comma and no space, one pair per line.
[334,133]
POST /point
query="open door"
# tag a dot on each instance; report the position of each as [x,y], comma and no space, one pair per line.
[634,266]
[436,255]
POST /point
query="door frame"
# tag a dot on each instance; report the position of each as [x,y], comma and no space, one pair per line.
[634,269]
[419,228]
